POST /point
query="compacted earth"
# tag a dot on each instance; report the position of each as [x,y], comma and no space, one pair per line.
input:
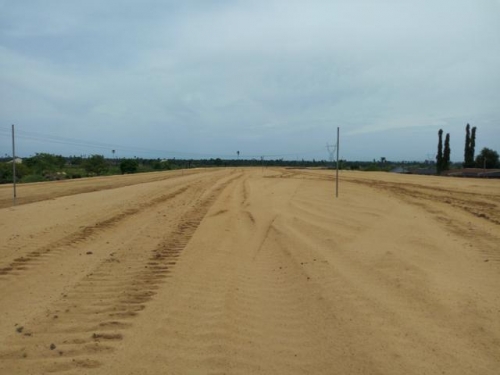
[247,271]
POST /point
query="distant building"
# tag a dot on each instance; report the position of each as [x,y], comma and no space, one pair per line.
[16,160]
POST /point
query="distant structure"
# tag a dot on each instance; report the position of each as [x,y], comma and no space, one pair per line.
[475,172]
[331,152]
[399,169]
[430,171]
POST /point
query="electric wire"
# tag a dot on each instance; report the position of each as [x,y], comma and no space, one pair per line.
[84,144]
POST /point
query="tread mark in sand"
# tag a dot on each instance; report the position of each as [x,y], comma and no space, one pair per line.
[20,264]
[104,317]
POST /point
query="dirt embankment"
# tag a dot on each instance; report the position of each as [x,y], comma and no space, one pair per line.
[252,271]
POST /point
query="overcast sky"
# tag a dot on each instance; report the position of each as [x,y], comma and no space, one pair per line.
[206,78]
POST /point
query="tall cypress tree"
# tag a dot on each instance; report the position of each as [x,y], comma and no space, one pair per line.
[467,146]
[472,147]
[446,153]
[439,156]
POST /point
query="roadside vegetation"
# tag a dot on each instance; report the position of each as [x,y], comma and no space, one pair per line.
[49,167]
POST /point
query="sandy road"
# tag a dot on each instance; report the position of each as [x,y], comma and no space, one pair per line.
[253,271]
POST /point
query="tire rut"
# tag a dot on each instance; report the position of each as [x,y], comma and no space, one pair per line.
[90,319]
[36,257]
[471,203]
[97,185]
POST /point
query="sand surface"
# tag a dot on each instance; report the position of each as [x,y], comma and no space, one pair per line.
[247,271]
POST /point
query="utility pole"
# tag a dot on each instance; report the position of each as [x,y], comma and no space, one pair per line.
[337,178]
[14,165]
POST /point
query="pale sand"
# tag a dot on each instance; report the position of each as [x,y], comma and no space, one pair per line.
[245,271]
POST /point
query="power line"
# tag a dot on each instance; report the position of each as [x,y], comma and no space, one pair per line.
[49,138]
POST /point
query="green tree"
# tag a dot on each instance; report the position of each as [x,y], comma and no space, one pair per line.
[446,153]
[96,164]
[470,145]
[6,172]
[488,158]
[162,165]
[467,146]
[43,163]
[439,156]
[129,166]
[75,160]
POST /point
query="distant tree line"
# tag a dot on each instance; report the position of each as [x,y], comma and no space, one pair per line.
[49,167]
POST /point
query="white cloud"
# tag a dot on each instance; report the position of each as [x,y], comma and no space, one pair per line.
[251,72]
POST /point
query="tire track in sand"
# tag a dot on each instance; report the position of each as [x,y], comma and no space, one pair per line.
[476,218]
[40,191]
[90,320]
[247,306]
[38,255]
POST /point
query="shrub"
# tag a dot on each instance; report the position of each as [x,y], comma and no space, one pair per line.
[129,166]
[95,165]
[6,172]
